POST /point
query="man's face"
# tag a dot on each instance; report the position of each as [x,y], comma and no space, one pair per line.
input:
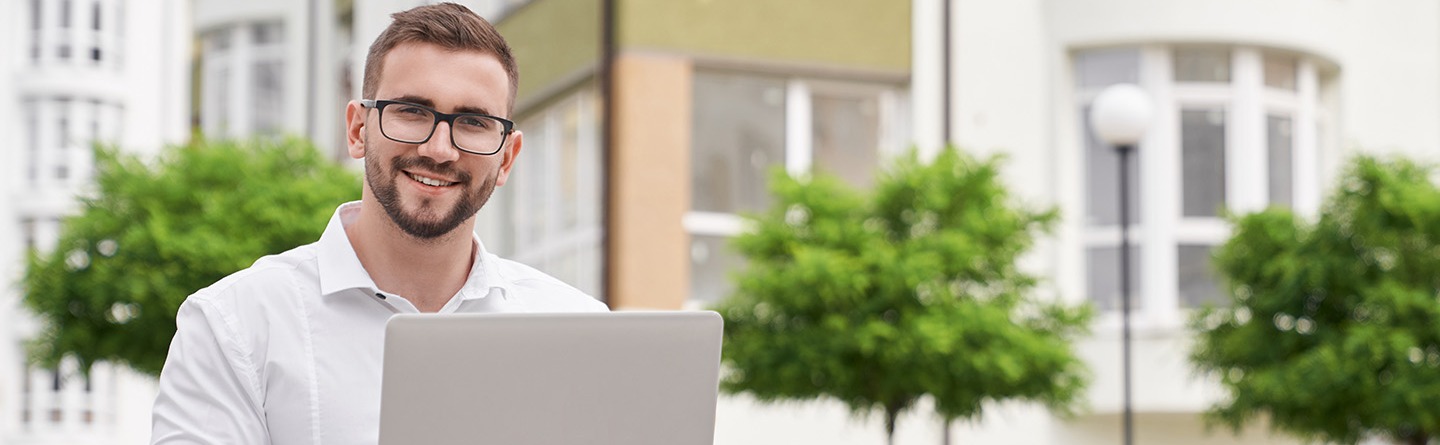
[430,189]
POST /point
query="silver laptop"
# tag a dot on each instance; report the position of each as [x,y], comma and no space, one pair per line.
[632,378]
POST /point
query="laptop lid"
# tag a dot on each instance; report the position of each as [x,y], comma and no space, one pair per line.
[635,378]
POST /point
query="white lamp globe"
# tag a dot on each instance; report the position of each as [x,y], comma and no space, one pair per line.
[1120,114]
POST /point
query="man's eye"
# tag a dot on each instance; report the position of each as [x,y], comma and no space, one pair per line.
[474,122]
[406,109]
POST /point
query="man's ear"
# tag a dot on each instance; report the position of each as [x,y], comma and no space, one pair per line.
[355,129]
[509,153]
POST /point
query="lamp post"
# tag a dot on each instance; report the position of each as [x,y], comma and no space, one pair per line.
[1119,116]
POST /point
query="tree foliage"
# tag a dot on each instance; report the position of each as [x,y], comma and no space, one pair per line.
[155,232]
[1333,329]
[879,299]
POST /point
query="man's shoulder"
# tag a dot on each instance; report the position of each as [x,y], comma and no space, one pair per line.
[543,291]
[284,273]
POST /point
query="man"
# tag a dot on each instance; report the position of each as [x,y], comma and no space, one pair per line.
[289,350]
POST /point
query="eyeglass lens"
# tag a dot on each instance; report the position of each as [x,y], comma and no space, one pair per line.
[412,124]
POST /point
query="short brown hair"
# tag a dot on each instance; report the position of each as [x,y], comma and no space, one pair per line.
[448,25]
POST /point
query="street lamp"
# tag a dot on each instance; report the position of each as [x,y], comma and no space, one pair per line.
[1119,116]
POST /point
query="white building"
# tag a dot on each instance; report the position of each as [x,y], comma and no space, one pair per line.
[1258,104]
[76,72]
[272,67]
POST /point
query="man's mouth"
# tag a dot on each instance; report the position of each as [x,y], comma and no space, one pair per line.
[429,181]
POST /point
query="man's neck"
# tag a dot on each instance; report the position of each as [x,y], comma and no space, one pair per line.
[427,272]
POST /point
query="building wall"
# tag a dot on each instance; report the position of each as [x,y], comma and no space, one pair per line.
[1015,93]
[556,43]
[868,34]
[652,118]
[123,85]
[314,51]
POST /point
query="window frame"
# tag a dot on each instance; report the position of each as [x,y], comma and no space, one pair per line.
[799,144]
[1161,227]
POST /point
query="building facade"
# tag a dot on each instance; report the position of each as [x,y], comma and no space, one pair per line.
[1256,106]
[77,73]
[629,188]
[273,68]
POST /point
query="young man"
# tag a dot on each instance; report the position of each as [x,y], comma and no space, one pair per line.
[289,350]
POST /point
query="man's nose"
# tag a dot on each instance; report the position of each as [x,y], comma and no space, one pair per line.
[440,147]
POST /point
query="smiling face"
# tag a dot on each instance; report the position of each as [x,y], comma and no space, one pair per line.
[430,189]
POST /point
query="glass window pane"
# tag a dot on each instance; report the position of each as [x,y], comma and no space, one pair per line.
[1202,146]
[569,157]
[846,137]
[32,145]
[739,135]
[712,261]
[1196,276]
[1280,71]
[1281,146]
[1102,179]
[1103,277]
[1202,65]
[269,106]
[1102,67]
[267,33]
[495,223]
[217,41]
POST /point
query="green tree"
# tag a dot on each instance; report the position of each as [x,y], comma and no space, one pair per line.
[1333,331]
[879,299]
[156,231]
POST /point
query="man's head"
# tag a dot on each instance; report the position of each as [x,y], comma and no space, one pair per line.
[448,25]
[434,59]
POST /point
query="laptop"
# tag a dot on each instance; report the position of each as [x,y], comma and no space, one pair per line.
[632,378]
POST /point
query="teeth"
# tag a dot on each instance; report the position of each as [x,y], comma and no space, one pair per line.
[428,181]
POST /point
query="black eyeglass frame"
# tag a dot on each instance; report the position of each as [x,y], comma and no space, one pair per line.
[380,104]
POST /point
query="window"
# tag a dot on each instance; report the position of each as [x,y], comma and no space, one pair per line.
[32,140]
[845,135]
[62,168]
[739,133]
[1281,165]
[1202,154]
[1094,70]
[267,78]
[36,19]
[745,126]
[243,73]
[548,214]
[1280,71]
[51,397]
[29,232]
[65,13]
[1202,65]
[1225,140]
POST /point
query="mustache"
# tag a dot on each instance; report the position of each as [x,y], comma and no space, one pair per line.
[448,169]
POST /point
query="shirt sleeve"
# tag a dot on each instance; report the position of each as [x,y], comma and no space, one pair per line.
[209,392]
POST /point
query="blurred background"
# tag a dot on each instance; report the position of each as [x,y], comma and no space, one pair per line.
[651,126]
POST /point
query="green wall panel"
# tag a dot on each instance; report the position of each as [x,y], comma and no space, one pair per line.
[871,34]
[552,39]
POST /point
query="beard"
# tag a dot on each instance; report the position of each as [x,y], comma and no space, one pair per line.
[427,222]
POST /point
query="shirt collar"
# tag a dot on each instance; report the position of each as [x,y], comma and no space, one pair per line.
[340,267]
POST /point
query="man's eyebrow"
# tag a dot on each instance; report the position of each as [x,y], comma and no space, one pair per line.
[475,110]
[417,100]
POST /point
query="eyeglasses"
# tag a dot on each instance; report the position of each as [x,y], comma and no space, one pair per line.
[409,123]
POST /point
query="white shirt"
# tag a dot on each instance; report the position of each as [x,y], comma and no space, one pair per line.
[289,350]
